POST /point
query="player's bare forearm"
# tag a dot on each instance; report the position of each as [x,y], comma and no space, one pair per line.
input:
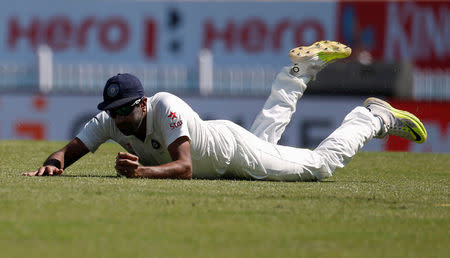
[174,170]
[179,168]
[128,165]
[74,151]
[70,153]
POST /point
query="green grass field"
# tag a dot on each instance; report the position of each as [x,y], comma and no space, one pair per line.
[380,205]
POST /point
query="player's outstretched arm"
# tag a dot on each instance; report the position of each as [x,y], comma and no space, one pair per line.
[61,159]
[180,168]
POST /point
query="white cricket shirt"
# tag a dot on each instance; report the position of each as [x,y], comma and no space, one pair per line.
[168,118]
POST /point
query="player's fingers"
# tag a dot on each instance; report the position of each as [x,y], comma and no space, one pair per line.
[126,155]
[117,162]
[122,170]
[59,172]
[30,173]
[41,171]
[50,171]
[119,167]
[123,162]
[127,163]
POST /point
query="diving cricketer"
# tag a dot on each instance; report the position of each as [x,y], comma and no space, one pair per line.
[165,138]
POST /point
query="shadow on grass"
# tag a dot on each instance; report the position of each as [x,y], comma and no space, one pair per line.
[93,176]
[232,179]
[352,181]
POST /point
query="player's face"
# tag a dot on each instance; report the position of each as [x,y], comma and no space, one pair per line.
[129,122]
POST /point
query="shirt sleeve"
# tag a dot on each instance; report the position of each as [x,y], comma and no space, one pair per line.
[172,115]
[96,131]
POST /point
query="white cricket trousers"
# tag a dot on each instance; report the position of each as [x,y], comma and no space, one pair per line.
[285,163]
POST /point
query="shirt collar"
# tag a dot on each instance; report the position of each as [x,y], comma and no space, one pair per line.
[149,128]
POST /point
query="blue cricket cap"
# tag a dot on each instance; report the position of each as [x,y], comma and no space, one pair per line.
[120,90]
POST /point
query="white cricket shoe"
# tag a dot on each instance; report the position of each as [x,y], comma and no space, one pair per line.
[309,60]
[396,122]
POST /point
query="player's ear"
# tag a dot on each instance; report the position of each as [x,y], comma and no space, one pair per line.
[143,104]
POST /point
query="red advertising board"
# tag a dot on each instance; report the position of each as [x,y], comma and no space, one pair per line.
[392,31]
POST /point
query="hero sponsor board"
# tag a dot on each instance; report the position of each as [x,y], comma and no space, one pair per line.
[149,32]
[61,118]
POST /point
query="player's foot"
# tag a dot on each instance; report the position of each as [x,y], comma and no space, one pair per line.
[309,60]
[396,122]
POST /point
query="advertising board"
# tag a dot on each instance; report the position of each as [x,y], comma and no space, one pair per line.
[253,33]
[61,117]
[149,32]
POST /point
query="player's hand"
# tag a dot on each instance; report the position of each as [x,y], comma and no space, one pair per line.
[127,164]
[45,171]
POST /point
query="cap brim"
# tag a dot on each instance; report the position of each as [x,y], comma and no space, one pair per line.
[115,104]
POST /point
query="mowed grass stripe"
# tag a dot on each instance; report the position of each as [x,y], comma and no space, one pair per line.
[381,204]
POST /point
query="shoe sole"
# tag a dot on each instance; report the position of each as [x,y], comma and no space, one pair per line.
[413,128]
[327,51]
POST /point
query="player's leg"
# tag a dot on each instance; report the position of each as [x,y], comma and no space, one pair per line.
[290,84]
[281,104]
[287,163]
[376,119]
